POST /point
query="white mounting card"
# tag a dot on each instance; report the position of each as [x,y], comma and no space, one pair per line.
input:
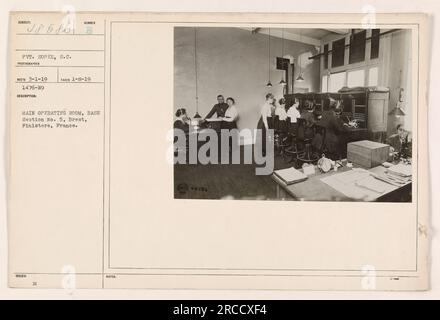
[93,198]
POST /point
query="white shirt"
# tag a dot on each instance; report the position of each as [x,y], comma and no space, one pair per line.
[281,113]
[231,114]
[293,113]
[266,110]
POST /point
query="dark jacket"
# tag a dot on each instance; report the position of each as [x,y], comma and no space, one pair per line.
[334,132]
[395,142]
[310,121]
[179,124]
[219,108]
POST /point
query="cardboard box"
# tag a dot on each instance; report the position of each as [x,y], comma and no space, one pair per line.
[367,153]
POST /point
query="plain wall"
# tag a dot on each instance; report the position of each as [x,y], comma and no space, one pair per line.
[233,62]
[400,77]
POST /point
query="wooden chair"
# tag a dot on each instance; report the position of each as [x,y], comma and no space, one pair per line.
[320,132]
[281,135]
[294,149]
[308,155]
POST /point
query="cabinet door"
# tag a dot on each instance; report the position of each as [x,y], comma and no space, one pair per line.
[377,114]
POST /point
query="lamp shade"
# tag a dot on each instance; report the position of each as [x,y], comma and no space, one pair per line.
[197,116]
[397,112]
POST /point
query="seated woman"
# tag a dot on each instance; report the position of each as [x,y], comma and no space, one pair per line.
[399,141]
[230,122]
[182,120]
[293,111]
[280,109]
[231,115]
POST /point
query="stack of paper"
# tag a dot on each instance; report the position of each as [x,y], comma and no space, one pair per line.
[398,174]
[402,170]
[290,175]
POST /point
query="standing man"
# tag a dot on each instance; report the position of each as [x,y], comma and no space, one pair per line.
[219,108]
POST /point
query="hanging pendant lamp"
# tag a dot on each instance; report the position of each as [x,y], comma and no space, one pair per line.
[398,110]
[282,82]
[300,77]
[269,84]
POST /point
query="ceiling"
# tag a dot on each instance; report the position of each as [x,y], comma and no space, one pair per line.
[310,36]
[313,33]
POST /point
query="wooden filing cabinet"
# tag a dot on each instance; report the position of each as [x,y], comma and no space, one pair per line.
[368,106]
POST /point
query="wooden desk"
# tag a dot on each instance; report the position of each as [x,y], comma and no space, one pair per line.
[313,189]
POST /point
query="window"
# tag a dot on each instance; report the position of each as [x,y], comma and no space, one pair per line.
[375,37]
[326,56]
[373,76]
[324,87]
[338,51]
[356,78]
[337,81]
[357,47]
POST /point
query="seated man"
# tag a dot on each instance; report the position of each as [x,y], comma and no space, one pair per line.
[310,119]
[335,141]
[399,141]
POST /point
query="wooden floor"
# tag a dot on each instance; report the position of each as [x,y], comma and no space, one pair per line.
[217,181]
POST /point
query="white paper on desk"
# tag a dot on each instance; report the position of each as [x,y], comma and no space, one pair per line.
[290,175]
[401,169]
[214,119]
[357,184]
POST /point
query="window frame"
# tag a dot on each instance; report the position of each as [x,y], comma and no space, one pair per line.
[375,39]
[326,56]
[369,74]
[330,77]
[338,45]
[357,70]
[358,41]
[326,76]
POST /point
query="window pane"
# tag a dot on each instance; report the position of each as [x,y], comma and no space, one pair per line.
[326,56]
[338,50]
[324,83]
[373,76]
[337,81]
[375,40]
[357,47]
[356,78]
